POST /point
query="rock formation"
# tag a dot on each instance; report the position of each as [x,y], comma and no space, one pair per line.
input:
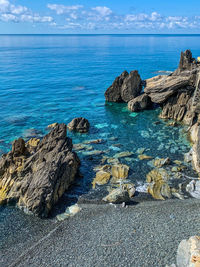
[80,125]
[125,87]
[36,179]
[140,103]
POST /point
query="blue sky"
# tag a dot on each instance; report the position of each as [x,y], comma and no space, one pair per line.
[99,16]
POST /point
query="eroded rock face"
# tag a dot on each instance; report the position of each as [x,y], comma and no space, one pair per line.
[188,254]
[140,103]
[125,87]
[178,106]
[80,125]
[37,181]
[161,87]
[187,62]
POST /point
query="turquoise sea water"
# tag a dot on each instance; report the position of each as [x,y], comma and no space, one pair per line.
[47,79]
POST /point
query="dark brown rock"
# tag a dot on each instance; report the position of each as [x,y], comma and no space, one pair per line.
[140,103]
[37,181]
[80,125]
[18,147]
[124,88]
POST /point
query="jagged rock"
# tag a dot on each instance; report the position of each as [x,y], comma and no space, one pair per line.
[178,106]
[161,87]
[188,254]
[187,62]
[158,186]
[80,125]
[193,188]
[53,125]
[120,171]
[125,87]
[37,181]
[122,194]
[32,144]
[102,177]
[140,103]
[161,162]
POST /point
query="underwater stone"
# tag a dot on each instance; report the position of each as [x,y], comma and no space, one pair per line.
[144,157]
[122,194]
[123,154]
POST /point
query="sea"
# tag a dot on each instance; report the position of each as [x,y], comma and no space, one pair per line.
[54,78]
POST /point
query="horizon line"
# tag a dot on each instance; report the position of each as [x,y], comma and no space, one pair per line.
[95,34]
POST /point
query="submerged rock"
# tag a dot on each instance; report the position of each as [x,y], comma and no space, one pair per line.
[36,182]
[140,103]
[123,154]
[158,162]
[144,157]
[80,125]
[125,87]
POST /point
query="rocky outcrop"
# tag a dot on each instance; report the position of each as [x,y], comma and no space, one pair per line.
[178,106]
[125,87]
[160,88]
[140,103]
[80,125]
[187,62]
[36,180]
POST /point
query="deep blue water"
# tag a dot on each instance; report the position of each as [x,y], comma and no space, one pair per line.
[47,79]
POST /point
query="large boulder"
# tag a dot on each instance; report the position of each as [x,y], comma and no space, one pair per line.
[161,87]
[80,125]
[140,103]
[36,181]
[125,87]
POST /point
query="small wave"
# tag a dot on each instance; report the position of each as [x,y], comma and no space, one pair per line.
[164,72]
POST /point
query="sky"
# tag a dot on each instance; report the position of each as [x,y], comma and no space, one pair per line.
[99,17]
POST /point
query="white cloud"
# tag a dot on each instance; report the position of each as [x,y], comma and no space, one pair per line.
[18,13]
[61,9]
[103,10]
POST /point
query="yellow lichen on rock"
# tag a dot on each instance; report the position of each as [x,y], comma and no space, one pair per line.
[101,178]
[33,142]
[53,125]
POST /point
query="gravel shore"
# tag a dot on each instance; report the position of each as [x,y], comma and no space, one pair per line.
[144,234]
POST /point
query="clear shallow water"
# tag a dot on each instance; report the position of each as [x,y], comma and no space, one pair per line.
[47,79]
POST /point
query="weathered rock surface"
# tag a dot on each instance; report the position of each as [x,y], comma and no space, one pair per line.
[36,181]
[80,125]
[140,103]
[160,88]
[187,62]
[125,87]
[188,254]
[158,184]
[178,106]
[122,194]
